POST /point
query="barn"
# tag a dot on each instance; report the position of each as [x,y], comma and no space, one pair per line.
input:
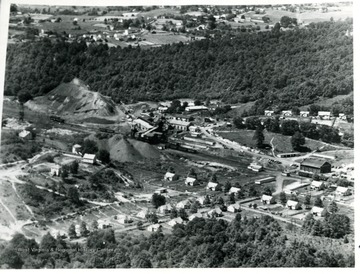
[311,166]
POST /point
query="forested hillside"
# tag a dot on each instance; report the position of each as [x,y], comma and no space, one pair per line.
[290,68]
[201,243]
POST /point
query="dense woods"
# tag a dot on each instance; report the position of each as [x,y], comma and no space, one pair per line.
[276,68]
[201,243]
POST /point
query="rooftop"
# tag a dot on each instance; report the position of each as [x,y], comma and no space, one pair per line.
[314,162]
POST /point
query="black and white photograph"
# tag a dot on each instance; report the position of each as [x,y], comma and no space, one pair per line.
[177,135]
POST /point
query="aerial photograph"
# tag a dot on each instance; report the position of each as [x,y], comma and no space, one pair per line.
[180,136]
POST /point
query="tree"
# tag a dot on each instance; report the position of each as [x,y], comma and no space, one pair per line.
[332,207]
[83,229]
[297,141]
[194,207]
[307,201]
[73,195]
[213,178]
[183,215]
[252,122]
[207,200]
[318,202]
[259,136]
[231,198]
[197,102]
[289,127]
[89,146]
[282,198]
[13,8]
[48,242]
[94,225]
[74,167]
[158,200]
[239,122]
[104,156]
[11,258]
[139,225]
[173,213]
[267,191]
[142,260]
[72,231]
[152,218]
[317,228]
[227,187]
[295,111]
[24,96]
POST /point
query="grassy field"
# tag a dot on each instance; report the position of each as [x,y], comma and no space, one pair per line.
[282,143]
[158,12]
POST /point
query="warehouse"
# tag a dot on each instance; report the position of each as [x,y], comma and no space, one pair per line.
[311,166]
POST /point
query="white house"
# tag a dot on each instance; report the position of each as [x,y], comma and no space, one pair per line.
[25,135]
[154,227]
[342,191]
[103,223]
[325,115]
[304,113]
[89,158]
[55,170]
[233,208]
[267,199]
[342,116]
[269,113]
[183,204]
[196,215]
[164,209]
[316,185]
[142,214]
[76,149]
[175,221]
[293,204]
[286,113]
[123,219]
[162,109]
[170,176]
[201,200]
[318,211]
[190,181]
[234,190]
[212,186]
[217,212]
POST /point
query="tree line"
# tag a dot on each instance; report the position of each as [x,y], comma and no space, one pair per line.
[237,67]
[243,242]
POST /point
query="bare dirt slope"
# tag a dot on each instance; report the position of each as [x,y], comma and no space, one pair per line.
[75,99]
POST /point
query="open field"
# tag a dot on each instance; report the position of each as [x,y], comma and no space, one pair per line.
[282,143]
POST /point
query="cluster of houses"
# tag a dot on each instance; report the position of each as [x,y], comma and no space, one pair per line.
[323,115]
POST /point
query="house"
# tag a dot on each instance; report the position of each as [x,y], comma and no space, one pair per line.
[142,124]
[161,190]
[190,181]
[76,149]
[201,200]
[267,199]
[175,221]
[324,115]
[162,109]
[123,219]
[183,204]
[234,208]
[179,124]
[154,227]
[311,166]
[217,212]
[165,209]
[212,186]
[196,215]
[142,214]
[304,113]
[104,224]
[294,205]
[342,116]
[318,211]
[317,185]
[342,191]
[170,176]
[234,190]
[286,113]
[25,135]
[269,113]
[89,158]
[196,108]
[55,170]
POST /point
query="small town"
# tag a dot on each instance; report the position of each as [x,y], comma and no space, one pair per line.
[162,176]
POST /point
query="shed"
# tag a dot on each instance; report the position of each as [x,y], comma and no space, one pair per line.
[76,149]
[170,176]
[89,158]
[212,186]
[190,181]
[342,191]
[267,199]
[55,170]
[25,135]
[294,205]
[234,208]
[234,190]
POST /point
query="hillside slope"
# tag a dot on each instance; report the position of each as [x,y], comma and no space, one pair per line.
[74,98]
